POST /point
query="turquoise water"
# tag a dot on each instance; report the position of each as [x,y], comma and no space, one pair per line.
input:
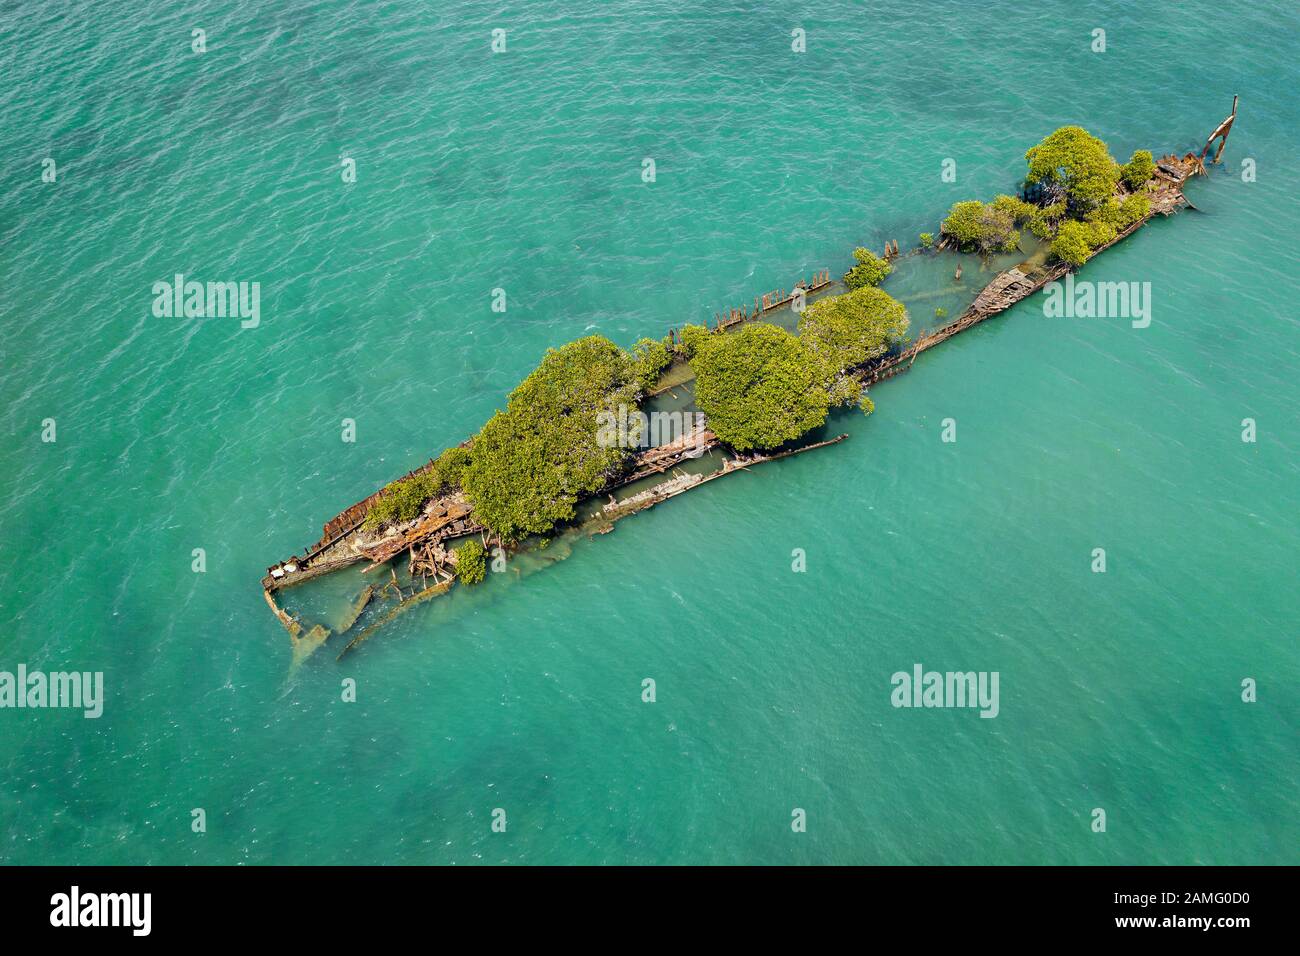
[523,171]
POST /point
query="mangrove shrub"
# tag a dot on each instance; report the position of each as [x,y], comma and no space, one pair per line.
[1075,241]
[471,562]
[963,222]
[692,336]
[532,462]
[870,270]
[1120,215]
[759,387]
[988,228]
[1044,220]
[650,358]
[1137,172]
[403,499]
[1073,161]
[847,330]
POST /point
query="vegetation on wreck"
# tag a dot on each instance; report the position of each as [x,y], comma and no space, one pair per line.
[534,461]
[987,227]
[530,464]
[870,270]
[759,386]
[692,337]
[402,499]
[1076,240]
[1073,165]
[847,330]
[1076,196]
[1137,172]
[471,562]
[650,358]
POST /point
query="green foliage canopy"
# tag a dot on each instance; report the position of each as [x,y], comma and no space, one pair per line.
[870,270]
[532,462]
[1015,207]
[1119,215]
[692,337]
[998,231]
[1071,243]
[1135,207]
[963,222]
[759,387]
[1076,241]
[1045,219]
[650,357]
[471,562]
[989,228]
[847,330]
[1137,172]
[1078,162]
[403,499]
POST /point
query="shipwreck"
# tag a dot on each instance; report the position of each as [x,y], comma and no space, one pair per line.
[400,563]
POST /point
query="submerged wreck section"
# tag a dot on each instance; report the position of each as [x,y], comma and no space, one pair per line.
[345,541]
[1014,285]
[683,482]
[694,457]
